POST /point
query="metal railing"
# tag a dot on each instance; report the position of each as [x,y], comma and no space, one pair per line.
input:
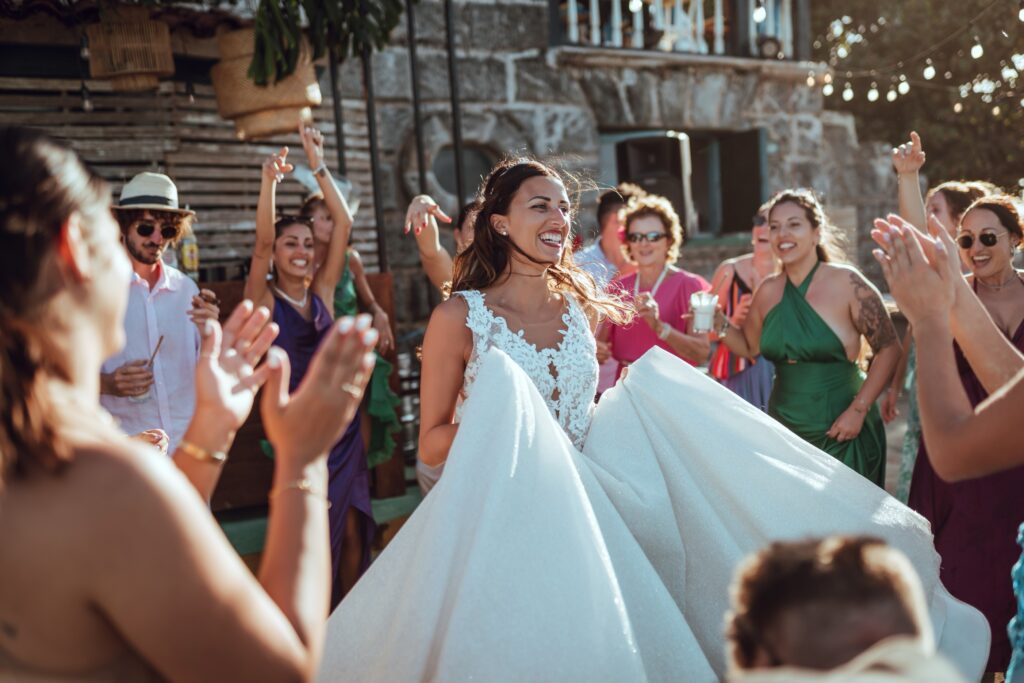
[741,28]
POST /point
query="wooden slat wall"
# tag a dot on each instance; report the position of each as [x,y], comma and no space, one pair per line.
[217,175]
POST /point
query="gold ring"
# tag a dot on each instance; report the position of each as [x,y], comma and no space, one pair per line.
[352,389]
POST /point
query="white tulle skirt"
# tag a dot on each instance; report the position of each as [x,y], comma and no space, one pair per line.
[532,561]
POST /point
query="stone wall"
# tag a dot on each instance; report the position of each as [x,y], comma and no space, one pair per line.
[520,95]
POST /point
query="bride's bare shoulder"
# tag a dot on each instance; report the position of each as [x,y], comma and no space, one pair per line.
[453,311]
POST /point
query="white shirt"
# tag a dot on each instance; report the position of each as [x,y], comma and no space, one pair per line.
[591,258]
[150,314]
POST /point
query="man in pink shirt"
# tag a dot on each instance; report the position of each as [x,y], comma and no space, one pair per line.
[149,384]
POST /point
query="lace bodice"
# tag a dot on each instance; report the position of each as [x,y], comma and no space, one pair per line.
[565,376]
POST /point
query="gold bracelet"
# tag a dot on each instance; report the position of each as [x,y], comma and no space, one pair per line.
[201,454]
[304,485]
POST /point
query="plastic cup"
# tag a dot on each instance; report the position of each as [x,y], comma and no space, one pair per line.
[703,306]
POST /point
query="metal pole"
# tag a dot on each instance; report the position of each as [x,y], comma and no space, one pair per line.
[371,126]
[339,123]
[417,121]
[453,88]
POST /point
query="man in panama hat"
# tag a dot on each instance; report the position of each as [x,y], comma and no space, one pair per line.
[149,384]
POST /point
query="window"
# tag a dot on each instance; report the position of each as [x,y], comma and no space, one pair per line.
[476,164]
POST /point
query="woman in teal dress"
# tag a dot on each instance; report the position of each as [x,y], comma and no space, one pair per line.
[809,320]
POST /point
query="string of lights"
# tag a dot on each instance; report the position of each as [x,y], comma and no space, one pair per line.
[890,80]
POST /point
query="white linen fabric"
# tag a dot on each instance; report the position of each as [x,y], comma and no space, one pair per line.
[534,561]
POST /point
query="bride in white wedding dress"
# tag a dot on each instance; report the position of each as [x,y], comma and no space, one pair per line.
[565,543]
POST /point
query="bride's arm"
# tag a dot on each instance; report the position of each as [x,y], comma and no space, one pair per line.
[446,347]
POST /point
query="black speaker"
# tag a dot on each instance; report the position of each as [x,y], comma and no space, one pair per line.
[661,165]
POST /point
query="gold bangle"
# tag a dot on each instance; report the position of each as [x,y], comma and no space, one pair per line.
[201,454]
[303,485]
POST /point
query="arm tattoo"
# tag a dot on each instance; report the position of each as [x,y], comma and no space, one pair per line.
[873,320]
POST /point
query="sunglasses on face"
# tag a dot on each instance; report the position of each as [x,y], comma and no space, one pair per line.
[652,237]
[169,231]
[987,239]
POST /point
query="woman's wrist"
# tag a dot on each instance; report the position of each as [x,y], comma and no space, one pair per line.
[860,405]
[209,434]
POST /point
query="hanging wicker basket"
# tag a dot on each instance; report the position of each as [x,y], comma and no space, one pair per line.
[130,50]
[259,111]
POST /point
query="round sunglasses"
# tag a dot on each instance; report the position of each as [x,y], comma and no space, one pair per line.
[987,239]
[652,236]
[169,231]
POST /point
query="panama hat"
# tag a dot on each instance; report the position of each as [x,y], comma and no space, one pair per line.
[151,191]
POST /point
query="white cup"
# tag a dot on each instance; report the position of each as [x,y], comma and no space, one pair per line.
[703,305]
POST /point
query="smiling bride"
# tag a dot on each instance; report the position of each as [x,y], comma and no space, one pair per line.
[574,542]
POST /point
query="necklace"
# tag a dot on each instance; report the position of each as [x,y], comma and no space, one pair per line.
[540,274]
[996,288]
[654,289]
[293,302]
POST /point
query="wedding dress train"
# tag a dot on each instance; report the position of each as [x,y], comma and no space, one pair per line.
[533,561]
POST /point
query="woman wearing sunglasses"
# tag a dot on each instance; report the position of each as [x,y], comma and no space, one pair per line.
[296,294]
[660,291]
[735,282]
[975,521]
[809,320]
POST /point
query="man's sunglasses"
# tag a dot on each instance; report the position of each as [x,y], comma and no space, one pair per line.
[169,231]
[988,239]
[653,236]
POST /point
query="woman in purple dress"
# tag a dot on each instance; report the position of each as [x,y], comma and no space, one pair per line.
[975,521]
[295,295]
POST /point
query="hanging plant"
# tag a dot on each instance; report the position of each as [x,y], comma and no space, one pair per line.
[349,27]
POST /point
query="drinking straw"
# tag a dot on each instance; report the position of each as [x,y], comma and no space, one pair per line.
[158,343]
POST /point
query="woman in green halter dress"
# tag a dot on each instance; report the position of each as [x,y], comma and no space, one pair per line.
[808,320]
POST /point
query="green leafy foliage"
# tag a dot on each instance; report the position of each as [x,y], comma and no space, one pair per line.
[350,27]
[972,141]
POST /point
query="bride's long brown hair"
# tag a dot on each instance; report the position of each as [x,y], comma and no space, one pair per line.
[486,260]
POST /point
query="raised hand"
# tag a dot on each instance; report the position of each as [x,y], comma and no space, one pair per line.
[418,216]
[306,424]
[742,310]
[276,166]
[312,145]
[227,378]
[909,157]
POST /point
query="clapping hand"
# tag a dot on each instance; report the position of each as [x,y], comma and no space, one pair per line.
[921,273]
[276,166]
[307,423]
[227,378]
[908,157]
[312,144]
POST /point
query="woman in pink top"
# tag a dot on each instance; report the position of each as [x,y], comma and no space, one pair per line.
[660,291]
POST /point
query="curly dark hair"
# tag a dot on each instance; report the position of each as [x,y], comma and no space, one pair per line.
[1006,210]
[839,576]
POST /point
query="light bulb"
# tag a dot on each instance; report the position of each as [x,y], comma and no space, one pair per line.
[891,95]
[996,111]
[760,13]
[847,93]
[903,87]
[1022,102]
[977,51]
[1020,14]
[873,93]
[842,52]
[811,81]
[635,5]
[958,107]
[828,90]
[929,72]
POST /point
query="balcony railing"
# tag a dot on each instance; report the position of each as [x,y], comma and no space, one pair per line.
[707,27]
